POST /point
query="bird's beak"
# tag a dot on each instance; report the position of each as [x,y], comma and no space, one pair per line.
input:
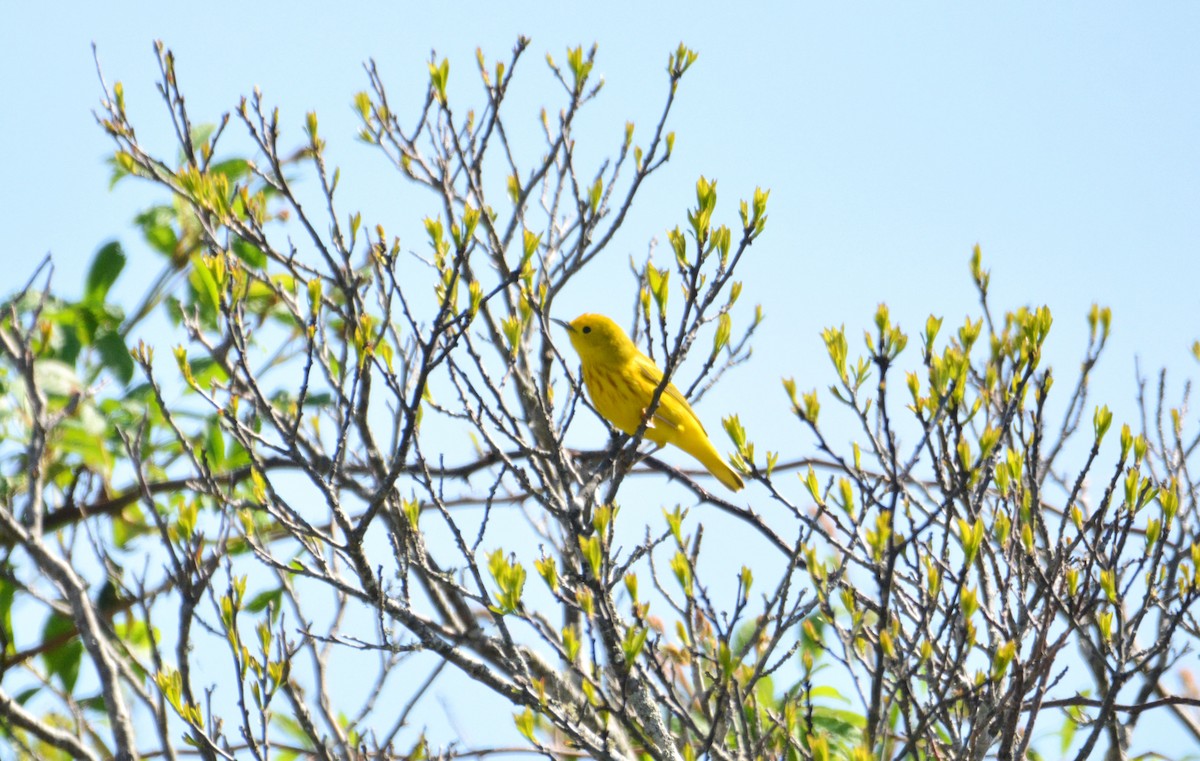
[564,323]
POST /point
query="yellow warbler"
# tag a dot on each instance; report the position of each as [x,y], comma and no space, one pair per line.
[621,381]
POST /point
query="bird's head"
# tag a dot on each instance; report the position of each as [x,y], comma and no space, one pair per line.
[598,339]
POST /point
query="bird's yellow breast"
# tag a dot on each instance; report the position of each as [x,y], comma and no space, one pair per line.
[621,395]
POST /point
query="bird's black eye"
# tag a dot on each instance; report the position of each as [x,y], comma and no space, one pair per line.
[587,328]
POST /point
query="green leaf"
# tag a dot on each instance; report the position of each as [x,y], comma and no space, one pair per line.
[635,640]
[174,310]
[157,224]
[1067,733]
[214,441]
[525,724]
[77,438]
[68,350]
[205,290]
[114,355]
[7,591]
[95,703]
[837,722]
[133,631]
[80,323]
[765,692]
[162,238]
[249,253]
[236,455]
[234,169]
[317,401]
[825,691]
[205,370]
[261,600]
[62,661]
[106,266]
[119,170]
[292,729]
[131,523]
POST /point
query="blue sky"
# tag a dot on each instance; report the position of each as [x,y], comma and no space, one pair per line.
[1063,139]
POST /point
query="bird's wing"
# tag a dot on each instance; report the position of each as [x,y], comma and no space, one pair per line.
[679,415]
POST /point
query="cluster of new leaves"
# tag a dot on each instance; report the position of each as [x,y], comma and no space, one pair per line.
[991,568]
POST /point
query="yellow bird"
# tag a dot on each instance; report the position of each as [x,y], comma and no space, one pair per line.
[621,381]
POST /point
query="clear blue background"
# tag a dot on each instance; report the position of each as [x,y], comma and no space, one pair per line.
[1064,139]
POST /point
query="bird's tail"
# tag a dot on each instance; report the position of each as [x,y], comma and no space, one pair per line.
[711,459]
